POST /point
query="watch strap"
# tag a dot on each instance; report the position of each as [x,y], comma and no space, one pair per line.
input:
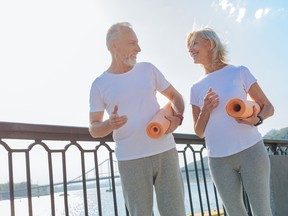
[260,120]
[181,117]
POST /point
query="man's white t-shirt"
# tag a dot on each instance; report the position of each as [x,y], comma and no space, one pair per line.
[135,94]
[224,136]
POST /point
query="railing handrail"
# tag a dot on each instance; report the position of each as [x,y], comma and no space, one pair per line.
[56,132]
[14,130]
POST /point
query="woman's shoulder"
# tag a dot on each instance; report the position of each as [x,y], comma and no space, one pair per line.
[238,67]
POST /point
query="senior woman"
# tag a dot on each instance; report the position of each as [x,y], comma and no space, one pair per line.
[237,155]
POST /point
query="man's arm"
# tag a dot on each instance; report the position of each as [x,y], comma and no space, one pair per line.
[178,106]
[176,99]
[97,127]
[100,128]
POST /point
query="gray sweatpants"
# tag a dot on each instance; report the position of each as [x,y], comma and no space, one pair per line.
[251,168]
[138,177]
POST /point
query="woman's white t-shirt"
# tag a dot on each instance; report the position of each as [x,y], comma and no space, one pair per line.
[224,136]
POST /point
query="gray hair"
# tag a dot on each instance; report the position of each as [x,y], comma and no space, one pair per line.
[113,31]
[219,52]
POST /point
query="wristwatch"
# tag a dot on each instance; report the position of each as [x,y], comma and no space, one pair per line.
[181,117]
[260,120]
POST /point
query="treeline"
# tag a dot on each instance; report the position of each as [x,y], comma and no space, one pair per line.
[277,134]
[20,190]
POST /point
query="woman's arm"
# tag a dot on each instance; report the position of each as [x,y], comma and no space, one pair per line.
[267,109]
[201,115]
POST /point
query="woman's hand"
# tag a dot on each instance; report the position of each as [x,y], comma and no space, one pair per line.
[252,120]
[211,101]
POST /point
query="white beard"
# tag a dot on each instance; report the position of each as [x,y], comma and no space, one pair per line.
[128,59]
[130,62]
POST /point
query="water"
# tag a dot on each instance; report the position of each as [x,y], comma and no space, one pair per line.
[41,205]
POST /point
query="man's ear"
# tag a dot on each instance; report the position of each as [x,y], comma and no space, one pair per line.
[113,45]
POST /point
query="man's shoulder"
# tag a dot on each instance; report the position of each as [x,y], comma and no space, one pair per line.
[147,66]
[100,78]
[144,64]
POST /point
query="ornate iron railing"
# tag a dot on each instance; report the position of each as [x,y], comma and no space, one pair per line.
[74,162]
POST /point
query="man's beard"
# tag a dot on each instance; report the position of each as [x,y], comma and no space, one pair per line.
[130,61]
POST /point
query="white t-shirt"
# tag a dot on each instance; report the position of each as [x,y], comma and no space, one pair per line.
[135,94]
[223,135]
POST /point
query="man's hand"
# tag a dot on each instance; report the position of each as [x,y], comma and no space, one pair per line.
[117,121]
[174,123]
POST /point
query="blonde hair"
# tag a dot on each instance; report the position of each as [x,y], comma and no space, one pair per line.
[219,52]
[113,32]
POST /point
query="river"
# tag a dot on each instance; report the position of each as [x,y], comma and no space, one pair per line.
[41,205]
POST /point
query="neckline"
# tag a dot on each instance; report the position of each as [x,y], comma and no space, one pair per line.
[120,74]
[216,71]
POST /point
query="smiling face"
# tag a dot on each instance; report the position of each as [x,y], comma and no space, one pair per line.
[200,50]
[126,48]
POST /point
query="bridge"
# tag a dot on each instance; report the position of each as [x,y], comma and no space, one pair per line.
[90,176]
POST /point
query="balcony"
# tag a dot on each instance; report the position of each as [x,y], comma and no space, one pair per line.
[59,170]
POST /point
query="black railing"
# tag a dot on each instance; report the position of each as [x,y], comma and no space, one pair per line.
[62,163]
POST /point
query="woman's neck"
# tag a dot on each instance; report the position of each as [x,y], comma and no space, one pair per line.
[213,67]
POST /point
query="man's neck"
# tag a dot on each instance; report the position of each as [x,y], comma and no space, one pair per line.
[119,69]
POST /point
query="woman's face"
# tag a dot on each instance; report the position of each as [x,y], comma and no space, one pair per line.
[200,51]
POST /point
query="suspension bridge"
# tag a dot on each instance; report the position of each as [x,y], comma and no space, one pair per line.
[105,176]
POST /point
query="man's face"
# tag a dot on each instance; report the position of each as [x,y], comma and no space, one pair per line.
[127,47]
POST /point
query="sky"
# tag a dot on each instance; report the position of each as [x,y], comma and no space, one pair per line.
[51,51]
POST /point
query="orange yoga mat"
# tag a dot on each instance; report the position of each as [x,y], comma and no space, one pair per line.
[159,124]
[238,108]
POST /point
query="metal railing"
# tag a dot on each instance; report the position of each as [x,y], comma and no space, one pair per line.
[76,165]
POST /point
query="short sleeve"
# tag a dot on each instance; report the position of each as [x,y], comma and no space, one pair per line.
[193,98]
[247,78]
[161,83]
[96,101]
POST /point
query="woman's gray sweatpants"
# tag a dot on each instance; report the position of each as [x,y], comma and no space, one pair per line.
[251,168]
[138,177]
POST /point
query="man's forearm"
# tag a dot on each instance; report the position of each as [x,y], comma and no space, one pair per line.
[100,129]
[178,105]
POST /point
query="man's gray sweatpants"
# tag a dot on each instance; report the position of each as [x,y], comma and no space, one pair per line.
[138,177]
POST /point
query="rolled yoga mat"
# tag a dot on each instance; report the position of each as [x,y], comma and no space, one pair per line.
[238,108]
[159,124]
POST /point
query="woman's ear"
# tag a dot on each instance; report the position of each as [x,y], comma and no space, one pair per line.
[212,44]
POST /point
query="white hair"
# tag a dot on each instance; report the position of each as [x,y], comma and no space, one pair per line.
[113,31]
[219,52]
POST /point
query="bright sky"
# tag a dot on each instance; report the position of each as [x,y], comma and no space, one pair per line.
[51,51]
